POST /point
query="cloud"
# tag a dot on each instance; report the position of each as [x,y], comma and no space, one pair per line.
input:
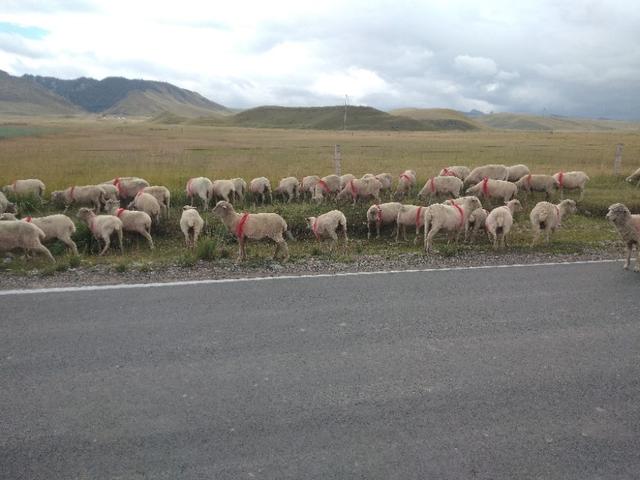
[476,66]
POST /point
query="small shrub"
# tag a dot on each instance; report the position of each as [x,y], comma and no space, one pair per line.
[187,260]
[121,267]
[75,261]
[225,253]
[206,249]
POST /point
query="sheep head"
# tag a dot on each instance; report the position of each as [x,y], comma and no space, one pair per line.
[223,208]
[569,206]
[85,213]
[7,216]
[618,214]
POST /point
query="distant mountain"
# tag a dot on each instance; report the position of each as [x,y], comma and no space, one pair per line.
[516,121]
[439,118]
[19,96]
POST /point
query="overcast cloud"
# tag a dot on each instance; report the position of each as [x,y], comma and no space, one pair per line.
[579,58]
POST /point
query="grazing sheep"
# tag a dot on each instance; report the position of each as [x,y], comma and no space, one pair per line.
[240,187]
[29,186]
[628,227]
[254,226]
[191,224]
[145,202]
[346,178]
[110,192]
[6,205]
[441,185]
[57,226]
[537,183]
[452,218]
[128,187]
[571,181]
[409,216]
[163,195]
[223,190]
[288,188]
[406,182]
[634,177]
[308,184]
[102,227]
[489,188]
[382,214]
[494,172]
[386,179]
[364,188]
[516,172]
[200,187]
[326,226]
[24,235]
[476,222]
[499,221]
[547,217]
[327,186]
[132,221]
[455,171]
[93,195]
[260,186]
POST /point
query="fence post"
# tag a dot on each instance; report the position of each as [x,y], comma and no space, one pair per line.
[337,157]
[617,163]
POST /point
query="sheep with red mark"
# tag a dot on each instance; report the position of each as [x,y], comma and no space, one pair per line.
[326,187]
[102,227]
[382,214]
[162,195]
[409,216]
[457,171]
[29,186]
[476,222]
[199,187]
[128,187]
[537,183]
[145,202]
[223,190]
[191,225]
[439,186]
[308,184]
[499,222]
[628,226]
[489,188]
[547,217]
[23,235]
[406,182]
[110,192]
[326,226]
[361,189]
[516,172]
[288,188]
[92,195]
[132,220]
[346,178]
[571,181]
[386,179]
[451,218]
[260,187]
[494,172]
[55,227]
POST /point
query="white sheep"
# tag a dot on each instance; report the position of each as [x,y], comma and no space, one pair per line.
[548,217]
[55,227]
[516,172]
[571,181]
[145,202]
[327,224]
[476,222]
[93,195]
[489,188]
[382,214]
[29,186]
[191,224]
[223,190]
[132,221]
[328,186]
[163,195]
[110,191]
[6,205]
[458,171]
[406,182]
[24,235]
[628,226]
[288,188]
[537,183]
[494,172]
[441,185]
[200,187]
[499,222]
[451,218]
[128,187]
[102,227]
[261,186]
[409,216]
[386,179]
[634,178]
[361,188]
[240,187]
[308,184]
[346,178]
[254,226]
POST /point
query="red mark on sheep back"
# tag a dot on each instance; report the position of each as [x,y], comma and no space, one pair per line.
[378,213]
[28,219]
[189,191]
[561,179]
[407,177]
[354,190]
[323,185]
[432,185]
[457,207]
[240,226]
[418,216]
[485,186]
[72,189]
[119,212]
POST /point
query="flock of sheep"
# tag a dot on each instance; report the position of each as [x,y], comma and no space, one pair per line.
[131,204]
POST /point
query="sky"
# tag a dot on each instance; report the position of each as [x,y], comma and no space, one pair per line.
[564,57]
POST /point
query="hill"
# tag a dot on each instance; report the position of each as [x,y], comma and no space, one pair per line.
[20,96]
[442,118]
[515,121]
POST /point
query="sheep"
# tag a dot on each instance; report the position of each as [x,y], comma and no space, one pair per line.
[516,172]
[382,214]
[329,186]
[128,187]
[102,227]
[92,195]
[345,179]
[537,183]
[57,226]
[455,171]
[110,192]
[260,186]
[223,190]
[162,195]
[239,186]
[547,217]
[24,235]
[476,222]
[6,205]
[494,172]
[499,221]
[386,179]
[489,188]
[327,224]
[628,226]
[634,177]
[409,216]
[200,187]
[132,221]
[571,181]
[288,188]
[255,226]
[29,186]
[145,202]
[366,188]
[191,224]
[308,185]
[452,218]
[406,182]
[441,185]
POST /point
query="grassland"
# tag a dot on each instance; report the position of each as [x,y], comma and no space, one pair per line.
[81,152]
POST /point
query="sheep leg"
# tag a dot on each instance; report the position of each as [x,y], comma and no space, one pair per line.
[368,229]
[536,235]
[428,237]
[627,261]
[344,230]
[44,251]
[147,235]
[378,229]
[71,244]
[107,243]
[283,245]
[119,232]
[637,267]
[581,194]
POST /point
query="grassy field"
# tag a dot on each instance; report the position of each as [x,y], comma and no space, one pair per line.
[70,151]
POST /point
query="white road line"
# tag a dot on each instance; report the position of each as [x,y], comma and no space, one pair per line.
[125,286]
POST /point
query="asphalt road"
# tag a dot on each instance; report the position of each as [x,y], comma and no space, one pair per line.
[517,373]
